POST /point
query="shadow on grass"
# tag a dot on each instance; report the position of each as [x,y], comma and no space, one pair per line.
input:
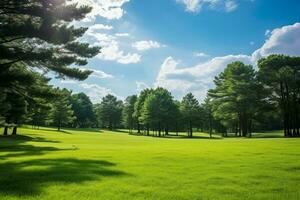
[68,130]
[24,138]
[31,176]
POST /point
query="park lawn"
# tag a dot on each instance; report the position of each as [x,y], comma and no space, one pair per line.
[91,164]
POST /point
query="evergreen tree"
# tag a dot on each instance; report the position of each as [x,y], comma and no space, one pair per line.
[83,110]
[281,75]
[139,106]
[237,98]
[190,111]
[128,111]
[158,110]
[37,33]
[62,113]
[110,111]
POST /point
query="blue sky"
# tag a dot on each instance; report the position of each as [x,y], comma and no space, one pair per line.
[180,44]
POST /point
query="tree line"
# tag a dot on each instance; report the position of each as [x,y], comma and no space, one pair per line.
[38,39]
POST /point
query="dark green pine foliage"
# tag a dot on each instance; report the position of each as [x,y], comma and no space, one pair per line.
[37,33]
[128,120]
[280,74]
[190,110]
[110,111]
[83,110]
[237,98]
[18,82]
[62,113]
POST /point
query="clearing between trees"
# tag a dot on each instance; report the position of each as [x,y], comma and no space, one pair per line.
[93,164]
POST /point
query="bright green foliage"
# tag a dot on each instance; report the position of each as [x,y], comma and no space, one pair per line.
[62,113]
[190,111]
[281,76]
[139,106]
[158,110]
[83,110]
[92,164]
[110,111]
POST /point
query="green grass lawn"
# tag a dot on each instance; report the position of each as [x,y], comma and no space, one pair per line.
[46,164]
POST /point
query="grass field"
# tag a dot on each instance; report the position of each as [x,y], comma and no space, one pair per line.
[45,164]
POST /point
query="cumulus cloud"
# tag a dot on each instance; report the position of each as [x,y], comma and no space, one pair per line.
[284,40]
[197,5]
[146,45]
[196,79]
[96,92]
[109,9]
[111,51]
[110,48]
[199,78]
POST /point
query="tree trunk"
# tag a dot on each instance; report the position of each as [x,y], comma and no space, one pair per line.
[147,129]
[14,132]
[59,125]
[191,129]
[139,127]
[167,129]
[5,130]
[159,129]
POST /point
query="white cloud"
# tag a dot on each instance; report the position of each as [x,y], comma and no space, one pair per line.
[96,92]
[200,54]
[99,74]
[197,5]
[97,27]
[109,9]
[141,86]
[284,40]
[122,34]
[230,5]
[110,48]
[111,51]
[196,79]
[145,45]
[199,78]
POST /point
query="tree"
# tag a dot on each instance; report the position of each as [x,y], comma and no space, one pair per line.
[139,105]
[281,75]
[27,86]
[237,97]
[128,119]
[37,33]
[190,111]
[39,112]
[18,108]
[62,113]
[110,111]
[83,110]
[158,110]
